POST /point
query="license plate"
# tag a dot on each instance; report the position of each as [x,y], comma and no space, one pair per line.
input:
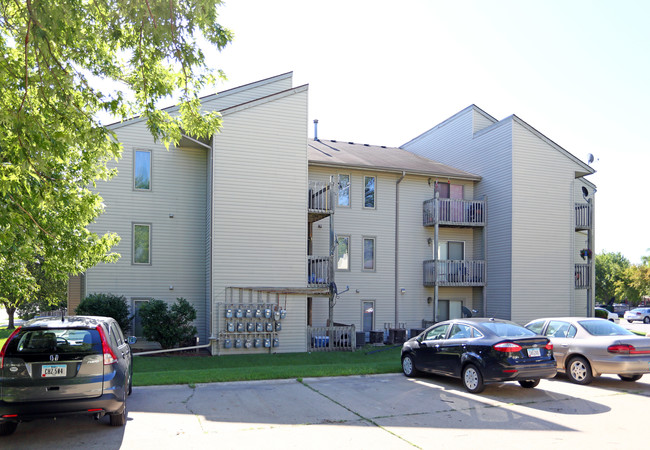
[534,352]
[54,370]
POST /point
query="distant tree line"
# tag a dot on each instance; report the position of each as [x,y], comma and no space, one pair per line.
[617,278]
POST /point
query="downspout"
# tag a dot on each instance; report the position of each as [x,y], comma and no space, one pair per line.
[397,248]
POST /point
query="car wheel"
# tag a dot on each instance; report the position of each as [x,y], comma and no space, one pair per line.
[630,320]
[529,384]
[472,379]
[408,366]
[611,320]
[7,428]
[630,377]
[646,319]
[579,370]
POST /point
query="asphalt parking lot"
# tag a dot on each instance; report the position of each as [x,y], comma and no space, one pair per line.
[379,411]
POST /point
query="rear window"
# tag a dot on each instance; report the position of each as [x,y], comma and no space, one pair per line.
[507,329]
[603,328]
[61,341]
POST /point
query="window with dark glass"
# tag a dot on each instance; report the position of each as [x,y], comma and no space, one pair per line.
[141,244]
[369,192]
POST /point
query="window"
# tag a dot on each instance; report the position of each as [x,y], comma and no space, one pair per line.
[436,333]
[344,190]
[368,253]
[343,253]
[141,243]
[367,315]
[369,192]
[452,251]
[460,331]
[142,170]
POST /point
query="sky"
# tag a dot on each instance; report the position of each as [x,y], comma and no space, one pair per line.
[384,72]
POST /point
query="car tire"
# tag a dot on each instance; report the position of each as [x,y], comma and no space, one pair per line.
[472,379]
[579,370]
[408,366]
[630,320]
[7,428]
[646,319]
[636,377]
[529,384]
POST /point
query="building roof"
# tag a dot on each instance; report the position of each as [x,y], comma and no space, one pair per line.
[379,158]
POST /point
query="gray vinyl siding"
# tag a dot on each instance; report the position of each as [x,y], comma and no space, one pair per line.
[178,256]
[542,234]
[488,154]
[259,213]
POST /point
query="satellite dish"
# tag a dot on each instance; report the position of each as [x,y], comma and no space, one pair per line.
[590,158]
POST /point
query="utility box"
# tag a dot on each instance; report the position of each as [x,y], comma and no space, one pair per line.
[376,337]
[396,335]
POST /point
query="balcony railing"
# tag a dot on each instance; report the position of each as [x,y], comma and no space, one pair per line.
[454,212]
[319,271]
[454,273]
[328,339]
[582,276]
[583,216]
[320,200]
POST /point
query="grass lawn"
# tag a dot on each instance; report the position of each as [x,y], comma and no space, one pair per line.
[4,334]
[149,370]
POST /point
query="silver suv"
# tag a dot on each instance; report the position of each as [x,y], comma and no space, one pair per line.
[56,366]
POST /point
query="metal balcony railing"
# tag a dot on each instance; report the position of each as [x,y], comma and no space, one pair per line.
[454,273]
[454,212]
[320,199]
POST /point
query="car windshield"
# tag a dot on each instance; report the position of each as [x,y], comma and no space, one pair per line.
[505,329]
[63,340]
[601,327]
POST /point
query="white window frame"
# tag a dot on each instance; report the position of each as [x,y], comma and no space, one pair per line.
[135,165]
[338,195]
[133,261]
[343,236]
[374,195]
[374,253]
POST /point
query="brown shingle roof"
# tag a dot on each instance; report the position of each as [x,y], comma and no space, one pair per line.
[392,159]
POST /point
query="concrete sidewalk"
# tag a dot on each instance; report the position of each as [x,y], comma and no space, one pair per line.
[380,411]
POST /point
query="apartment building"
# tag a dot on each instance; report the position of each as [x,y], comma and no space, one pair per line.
[276,238]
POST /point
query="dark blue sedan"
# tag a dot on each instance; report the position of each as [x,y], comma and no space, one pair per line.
[480,351]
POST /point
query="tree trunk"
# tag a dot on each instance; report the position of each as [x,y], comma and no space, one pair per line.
[10,312]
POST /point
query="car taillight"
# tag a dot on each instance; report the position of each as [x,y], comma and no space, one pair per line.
[507,347]
[621,349]
[4,347]
[549,346]
[109,356]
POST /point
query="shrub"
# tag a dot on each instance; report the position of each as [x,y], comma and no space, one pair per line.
[168,326]
[108,305]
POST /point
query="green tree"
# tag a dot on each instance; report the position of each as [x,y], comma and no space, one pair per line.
[51,294]
[634,284]
[168,326]
[64,64]
[609,271]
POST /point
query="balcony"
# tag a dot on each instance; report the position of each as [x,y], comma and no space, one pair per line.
[454,212]
[582,276]
[583,216]
[320,200]
[319,271]
[454,273]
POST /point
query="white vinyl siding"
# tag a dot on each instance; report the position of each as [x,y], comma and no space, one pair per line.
[178,242]
[259,210]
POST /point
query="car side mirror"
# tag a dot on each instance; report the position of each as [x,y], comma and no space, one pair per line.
[132,340]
